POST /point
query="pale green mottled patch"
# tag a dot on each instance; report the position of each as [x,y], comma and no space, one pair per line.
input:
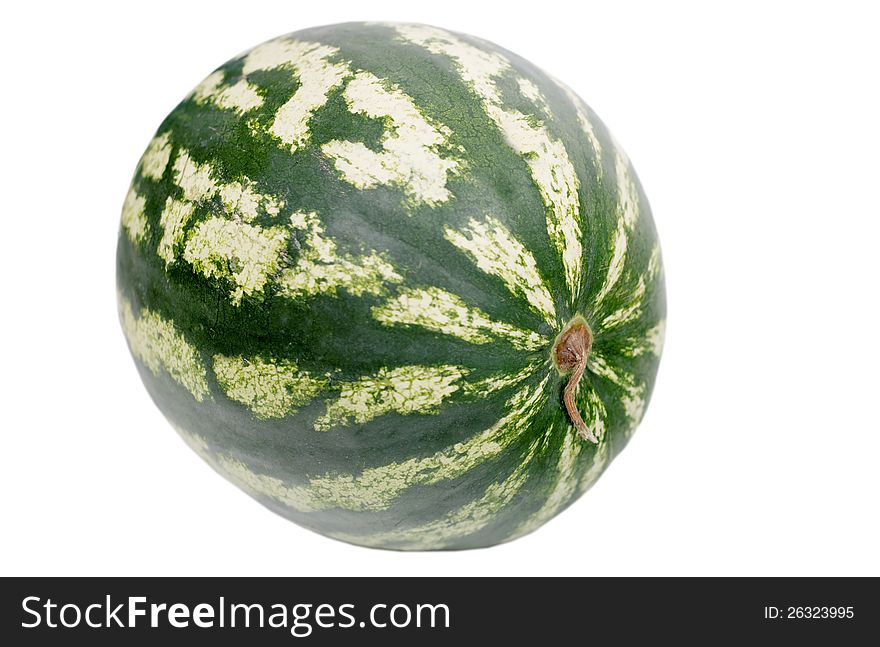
[198,181]
[243,202]
[263,485]
[321,269]
[495,251]
[549,163]
[161,347]
[173,220]
[245,255]
[409,156]
[270,389]
[155,159]
[444,312]
[134,218]
[405,390]
[317,76]
[240,96]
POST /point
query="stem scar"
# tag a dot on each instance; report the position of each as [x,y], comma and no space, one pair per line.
[570,354]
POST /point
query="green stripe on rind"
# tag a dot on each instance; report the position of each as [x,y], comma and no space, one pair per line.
[377,488]
[467,520]
[498,381]
[567,479]
[632,302]
[627,217]
[570,480]
[496,251]
[586,124]
[546,156]
[634,390]
[651,342]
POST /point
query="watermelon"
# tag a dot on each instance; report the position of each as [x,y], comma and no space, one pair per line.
[396,283]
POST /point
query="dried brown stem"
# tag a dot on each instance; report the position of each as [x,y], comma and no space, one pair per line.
[571,353]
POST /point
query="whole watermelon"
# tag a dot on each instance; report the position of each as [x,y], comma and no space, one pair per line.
[396,283]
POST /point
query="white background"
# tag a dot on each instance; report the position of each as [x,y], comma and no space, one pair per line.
[755,132]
